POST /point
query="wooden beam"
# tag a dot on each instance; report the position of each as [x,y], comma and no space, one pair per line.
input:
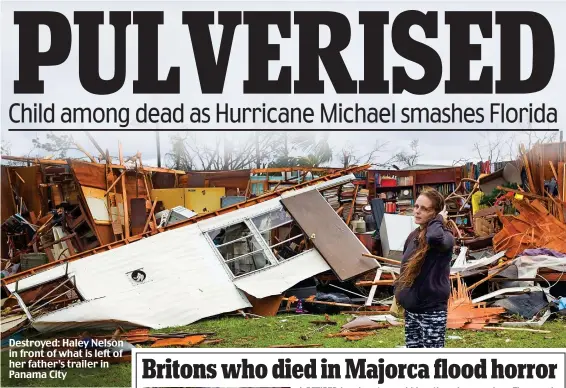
[120,153]
[382,259]
[84,151]
[166,170]
[149,217]
[527,168]
[114,183]
[351,212]
[95,143]
[125,203]
[33,160]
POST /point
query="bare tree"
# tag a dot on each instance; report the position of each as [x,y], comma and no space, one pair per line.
[536,137]
[58,146]
[349,155]
[179,157]
[492,147]
[225,153]
[408,158]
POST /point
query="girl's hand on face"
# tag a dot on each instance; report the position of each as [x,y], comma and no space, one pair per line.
[444,213]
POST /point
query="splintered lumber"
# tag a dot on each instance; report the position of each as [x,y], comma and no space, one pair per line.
[387,282]
[190,340]
[382,259]
[534,227]
[464,314]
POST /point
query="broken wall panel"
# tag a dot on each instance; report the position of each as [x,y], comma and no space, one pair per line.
[92,178]
[337,244]
[97,204]
[135,186]
[163,180]
[8,204]
[29,190]
[90,174]
[234,182]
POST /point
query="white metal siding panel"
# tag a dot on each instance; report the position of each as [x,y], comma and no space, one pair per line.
[185,282]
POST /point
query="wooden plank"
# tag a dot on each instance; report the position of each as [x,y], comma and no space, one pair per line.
[337,244]
[126,213]
[527,168]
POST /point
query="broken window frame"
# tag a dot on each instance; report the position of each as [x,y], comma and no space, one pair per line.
[266,249]
[48,298]
[288,222]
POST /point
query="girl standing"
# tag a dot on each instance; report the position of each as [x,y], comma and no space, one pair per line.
[423,287]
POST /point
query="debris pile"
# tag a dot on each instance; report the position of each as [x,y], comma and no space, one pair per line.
[258,245]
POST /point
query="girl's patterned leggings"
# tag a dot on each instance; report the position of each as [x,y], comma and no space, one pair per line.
[425,330]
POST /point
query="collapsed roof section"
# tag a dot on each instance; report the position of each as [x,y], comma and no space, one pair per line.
[207,266]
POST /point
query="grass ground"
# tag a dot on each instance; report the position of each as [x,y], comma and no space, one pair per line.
[237,332]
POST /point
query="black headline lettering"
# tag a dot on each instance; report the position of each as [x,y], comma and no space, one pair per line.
[355,369]
[172,369]
[360,369]
[212,70]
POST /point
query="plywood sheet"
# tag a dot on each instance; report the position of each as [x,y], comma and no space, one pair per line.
[337,244]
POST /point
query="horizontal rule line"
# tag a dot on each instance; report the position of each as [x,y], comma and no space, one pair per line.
[282,129]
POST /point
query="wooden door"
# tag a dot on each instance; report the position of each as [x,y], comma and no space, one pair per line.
[337,244]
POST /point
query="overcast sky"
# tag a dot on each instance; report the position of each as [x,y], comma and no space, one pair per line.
[435,147]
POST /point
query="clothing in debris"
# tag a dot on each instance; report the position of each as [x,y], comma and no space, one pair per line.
[431,288]
[425,330]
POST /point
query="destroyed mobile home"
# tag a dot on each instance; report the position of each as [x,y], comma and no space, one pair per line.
[260,251]
[318,240]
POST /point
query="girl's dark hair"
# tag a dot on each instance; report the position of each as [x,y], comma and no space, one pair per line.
[412,268]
